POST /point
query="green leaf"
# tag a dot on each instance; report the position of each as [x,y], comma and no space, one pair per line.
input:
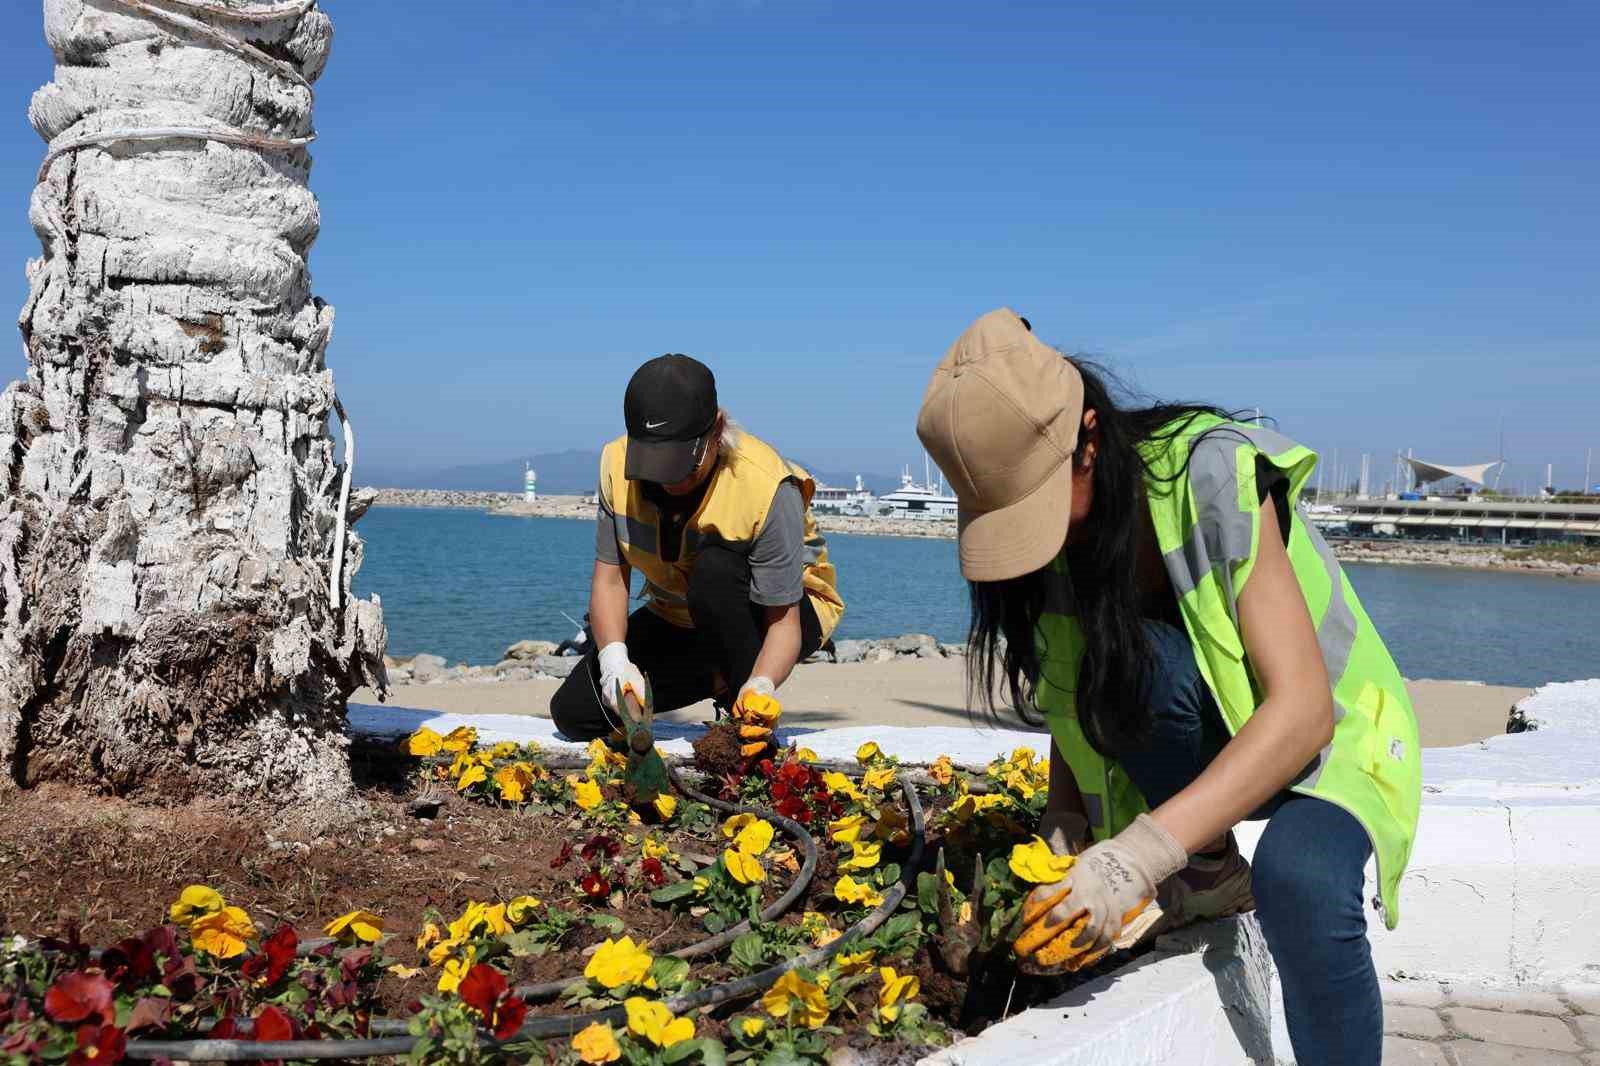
[889,874]
[523,943]
[607,923]
[715,923]
[749,951]
[669,972]
[675,891]
[928,893]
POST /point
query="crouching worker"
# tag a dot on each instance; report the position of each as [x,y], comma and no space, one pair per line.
[1143,583]
[737,581]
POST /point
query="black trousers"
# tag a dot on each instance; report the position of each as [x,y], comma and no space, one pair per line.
[682,664]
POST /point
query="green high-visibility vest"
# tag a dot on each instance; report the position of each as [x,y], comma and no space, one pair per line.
[1207,525]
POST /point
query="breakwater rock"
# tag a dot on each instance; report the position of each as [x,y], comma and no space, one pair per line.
[1414,553]
[543,660]
[438,498]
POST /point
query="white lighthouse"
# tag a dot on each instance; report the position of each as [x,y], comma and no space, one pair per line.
[530,483]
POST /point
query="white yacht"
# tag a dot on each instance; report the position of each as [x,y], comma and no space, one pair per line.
[830,499]
[924,501]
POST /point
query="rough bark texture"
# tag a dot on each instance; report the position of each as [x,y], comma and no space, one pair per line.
[168,486]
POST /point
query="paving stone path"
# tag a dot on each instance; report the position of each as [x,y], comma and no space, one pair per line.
[1427,1024]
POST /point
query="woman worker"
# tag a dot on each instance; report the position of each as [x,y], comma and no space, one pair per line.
[1143,583]
[737,580]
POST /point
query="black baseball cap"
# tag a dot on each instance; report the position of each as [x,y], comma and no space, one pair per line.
[670,404]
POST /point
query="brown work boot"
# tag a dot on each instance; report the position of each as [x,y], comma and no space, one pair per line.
[1211,886]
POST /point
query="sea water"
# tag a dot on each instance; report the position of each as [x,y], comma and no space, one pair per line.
[465,585]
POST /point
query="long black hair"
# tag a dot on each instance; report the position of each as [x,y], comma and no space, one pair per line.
[1102,565]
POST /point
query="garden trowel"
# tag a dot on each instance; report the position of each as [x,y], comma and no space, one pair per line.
[646,775]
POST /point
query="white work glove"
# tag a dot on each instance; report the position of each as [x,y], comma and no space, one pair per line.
[616,667]
[1108,887]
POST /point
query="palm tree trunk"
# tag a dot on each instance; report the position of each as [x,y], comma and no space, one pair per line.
[172,618]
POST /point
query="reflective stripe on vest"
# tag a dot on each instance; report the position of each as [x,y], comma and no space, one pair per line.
[1207,523]
[731,515]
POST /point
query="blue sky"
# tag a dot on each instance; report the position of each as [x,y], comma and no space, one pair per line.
[1375,221]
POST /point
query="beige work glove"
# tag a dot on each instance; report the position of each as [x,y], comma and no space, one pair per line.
[1075,921]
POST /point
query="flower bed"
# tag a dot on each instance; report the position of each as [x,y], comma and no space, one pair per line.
[530,894]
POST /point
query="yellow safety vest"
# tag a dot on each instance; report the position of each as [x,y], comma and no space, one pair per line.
[1207,525]
[732,514]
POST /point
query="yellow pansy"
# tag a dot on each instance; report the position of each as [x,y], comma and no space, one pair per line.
[749,834]
[853,962]
[867,752]
[744,868]
[1023,758]
[618,962]
[494,919]
[863,856]
[1035,862]
[942,770]
[848,890]
[586,794]
[460,738]
[847,830]
[656,1023]
[472,775]
[424,742]
[402,971]
[504,749]
[470,919]
[666,805]
[430,935]
[700,885]
[879,779]
[455,970]
[973,803]
[195,901]
[897,989]
[363,926]
[802,755]
[222,933]
[965,914]
[656,848]
[597,1044]
[513,781]
[839,783]
[521,909]
[892,826]
[752,1027]
[1021,783]
[441,951]
[796,1000]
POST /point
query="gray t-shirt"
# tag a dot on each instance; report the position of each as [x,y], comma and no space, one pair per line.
[777,559]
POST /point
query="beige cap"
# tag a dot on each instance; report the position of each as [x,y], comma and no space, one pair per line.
[1001,419]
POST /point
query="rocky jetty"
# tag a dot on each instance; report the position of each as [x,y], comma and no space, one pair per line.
[538,660]
[439,498]
[1422,553]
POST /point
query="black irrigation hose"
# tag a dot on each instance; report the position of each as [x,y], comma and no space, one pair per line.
[556,1025]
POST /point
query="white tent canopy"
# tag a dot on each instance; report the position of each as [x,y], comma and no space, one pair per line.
[1427,472]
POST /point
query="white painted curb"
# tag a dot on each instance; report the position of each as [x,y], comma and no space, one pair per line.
[1202,998]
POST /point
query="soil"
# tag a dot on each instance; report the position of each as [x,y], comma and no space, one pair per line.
[717,750]
[112,866]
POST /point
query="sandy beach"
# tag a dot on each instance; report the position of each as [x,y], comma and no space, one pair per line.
[915,692]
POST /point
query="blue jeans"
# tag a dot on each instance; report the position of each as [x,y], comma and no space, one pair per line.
[1307,871]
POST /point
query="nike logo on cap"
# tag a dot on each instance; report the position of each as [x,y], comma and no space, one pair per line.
[654,425]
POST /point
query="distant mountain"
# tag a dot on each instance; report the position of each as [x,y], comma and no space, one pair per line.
[569,473]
